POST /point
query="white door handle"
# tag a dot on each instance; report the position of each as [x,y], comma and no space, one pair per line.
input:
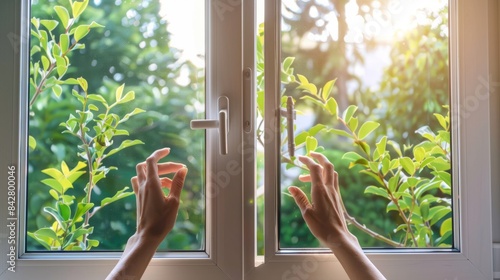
[222,123]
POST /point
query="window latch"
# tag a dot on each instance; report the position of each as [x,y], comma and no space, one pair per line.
[289,114]
[222,123]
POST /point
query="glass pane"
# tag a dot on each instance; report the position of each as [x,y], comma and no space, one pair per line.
[370,84]
[111,82]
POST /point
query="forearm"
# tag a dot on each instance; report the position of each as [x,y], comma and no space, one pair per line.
[355,262]
[136,257]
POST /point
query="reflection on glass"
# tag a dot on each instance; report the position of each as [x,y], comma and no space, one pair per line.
[110,82]
[369,80]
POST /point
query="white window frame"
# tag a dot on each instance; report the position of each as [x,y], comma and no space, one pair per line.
[470,66]
[224,76]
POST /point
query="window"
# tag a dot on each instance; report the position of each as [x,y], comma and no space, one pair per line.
[230,222]
[136,78]
[352,71]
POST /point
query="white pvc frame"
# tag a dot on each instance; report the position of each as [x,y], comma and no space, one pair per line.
[472,187]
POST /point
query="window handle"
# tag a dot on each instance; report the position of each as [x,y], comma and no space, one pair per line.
[222,123]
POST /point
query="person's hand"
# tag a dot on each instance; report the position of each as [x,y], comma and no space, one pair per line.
[324,215]
[156,213]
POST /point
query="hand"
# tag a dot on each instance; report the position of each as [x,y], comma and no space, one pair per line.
[156,213]
[325,215]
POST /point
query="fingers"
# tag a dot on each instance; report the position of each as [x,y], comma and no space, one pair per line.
[135,184]
[328,169]
[166,182]
[140,169]
[152,162]
[305,178]
[300,198]
[178,183]
[316,175]
[315,170]
[169,167]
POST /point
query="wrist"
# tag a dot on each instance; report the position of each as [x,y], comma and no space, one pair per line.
[140,237]
[348,242]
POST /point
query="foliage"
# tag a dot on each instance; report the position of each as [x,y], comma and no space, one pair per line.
[133,48]
[415,181]
[94,125]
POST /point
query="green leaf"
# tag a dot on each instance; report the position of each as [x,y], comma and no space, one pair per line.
[54,213]
[374,176]
[376,191]
[35,22]
[327,89]
[353,124]
[64,211]
[94,24]
[93,107]
[74,174]
[54,184]
[81,31]
[381,145]
[119,92]
[332,106]
[385,166]
[311,144]
[45,63]
[446,226]
[32,142]
[98,98]
[92,243]
[349,112]
[427,133]
[393,182]
[408,165]
[306,86]
[118,195]
[123,145]
[46,234]
[352,156]
[436,213]
[366,129]
[63,15]
[64,43]
[313,100]
[426,187]
[440,164]
[287,63]
[83,83]
[54,194]
[81,209]
[76,234]
[78,7]
[424,210]
[301,137]
[128,97]
[341,133]
[442,121]
[57,90]
[45,243]
[49,24]
[61,66]
[316,129]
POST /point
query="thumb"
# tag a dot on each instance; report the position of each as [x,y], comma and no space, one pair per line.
[178,182]
[300,198]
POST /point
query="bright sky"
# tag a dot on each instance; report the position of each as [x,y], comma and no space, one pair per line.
[187,25]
